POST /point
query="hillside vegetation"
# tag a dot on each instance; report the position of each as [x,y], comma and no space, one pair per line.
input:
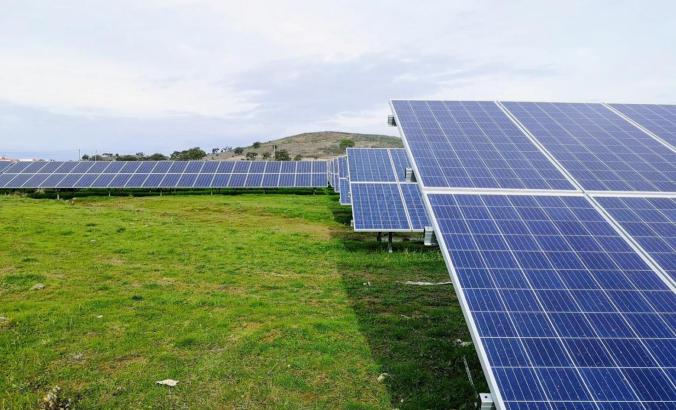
[308,145]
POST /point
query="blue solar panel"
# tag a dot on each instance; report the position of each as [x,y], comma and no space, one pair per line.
[378,207]
[52,181]
[220,180]
[270,181]
[253,180]
[153,180]
[601,150]
[658,119]
[186,181]
[170,180]
[415,206]
[85,182]
[204,180]
[287,180]
[237,180]
[136,181]
[145,167]
[400,162]
[257,167]
[564,311]
[373,165]
[472,145]
[370,165]
[344,188]
[4,165]
[651,222]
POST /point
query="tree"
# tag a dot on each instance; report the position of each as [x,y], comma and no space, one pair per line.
[214,150]
[250,156]
[266,155]
[238,151]
[282,155]
[157,157]
[189,154]
[346,143]
[85,157]
[140,155]
[298,157]
[127,157]
[256,145]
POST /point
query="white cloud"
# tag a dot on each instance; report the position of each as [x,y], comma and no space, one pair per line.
[80,86]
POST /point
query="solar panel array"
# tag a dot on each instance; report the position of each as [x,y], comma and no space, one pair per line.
[165,174]
[658,119]
[4,165]
[382,199]
[601,150]
[569,293]
[343,180]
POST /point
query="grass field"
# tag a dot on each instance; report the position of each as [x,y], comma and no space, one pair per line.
[249,301]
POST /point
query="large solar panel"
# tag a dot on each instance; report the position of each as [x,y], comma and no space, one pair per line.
[565,313]
[658,119]
[472,145]
[165,174]
[600,149]
[651,222]
[370,165]
[385,167]
[378,207]
[4,165]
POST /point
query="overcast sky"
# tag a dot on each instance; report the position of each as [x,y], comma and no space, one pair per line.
[127,76]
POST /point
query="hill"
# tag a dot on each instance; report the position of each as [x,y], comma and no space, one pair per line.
[324,144]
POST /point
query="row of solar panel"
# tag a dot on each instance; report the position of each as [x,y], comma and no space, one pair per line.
[144,180]
[478,144]
[167,167]
[565,313]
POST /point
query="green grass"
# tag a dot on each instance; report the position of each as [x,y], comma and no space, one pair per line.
[249,301]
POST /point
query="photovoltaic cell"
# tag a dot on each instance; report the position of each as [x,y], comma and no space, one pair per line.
[566,313]
[400,161]
[473,144]
[601,150]
[378,207]
[651,222]
[658,119]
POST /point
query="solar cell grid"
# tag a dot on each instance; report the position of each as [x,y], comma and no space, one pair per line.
[415,206]
[658,119]
[400,161]
[344,189]
[651,222]
[381,207]
[601,150]
[370,165]
[473,145]
[545,341]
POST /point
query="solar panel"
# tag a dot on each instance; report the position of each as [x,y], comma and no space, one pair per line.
[474,144]
[381,165]
[564,312]
[165,174]
[651,222]
[4,165]
[370,165]
[379,207]
[601,150]
[658,119]
[414,206]
[344,187]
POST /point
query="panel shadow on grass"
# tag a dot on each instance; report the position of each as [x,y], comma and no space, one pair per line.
[414,332]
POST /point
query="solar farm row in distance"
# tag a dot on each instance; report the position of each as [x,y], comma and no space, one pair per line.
[564,311]
[382,199]
[165,174]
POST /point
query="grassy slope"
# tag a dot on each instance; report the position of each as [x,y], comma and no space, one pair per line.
[249,301]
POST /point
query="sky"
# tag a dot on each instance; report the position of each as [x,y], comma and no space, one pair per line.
[158,76]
